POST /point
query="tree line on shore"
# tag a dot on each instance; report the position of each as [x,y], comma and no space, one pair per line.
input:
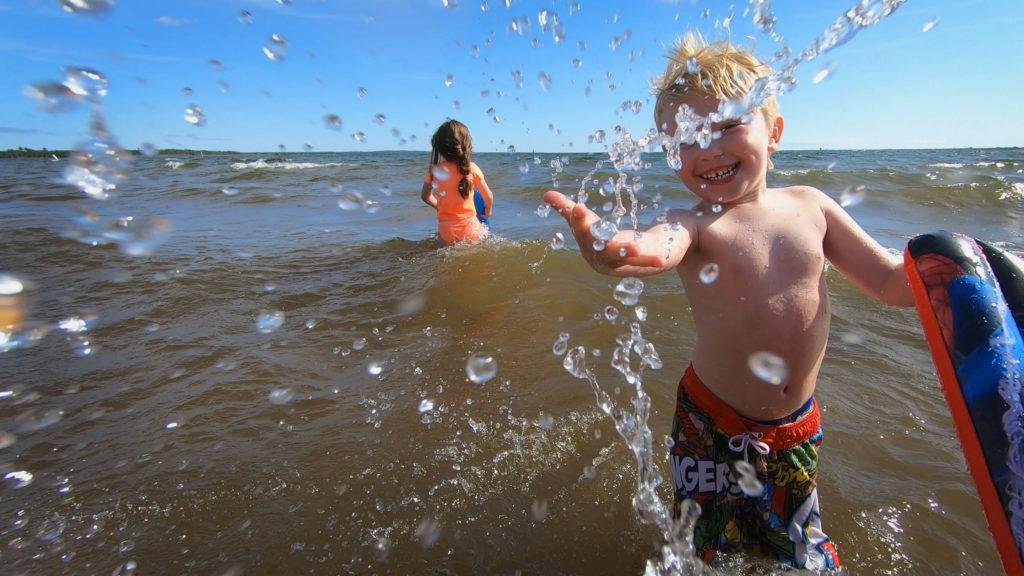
[22,152]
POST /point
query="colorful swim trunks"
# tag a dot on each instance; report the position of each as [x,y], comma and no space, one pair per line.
[715,460]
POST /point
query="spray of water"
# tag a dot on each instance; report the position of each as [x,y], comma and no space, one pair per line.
[631,357]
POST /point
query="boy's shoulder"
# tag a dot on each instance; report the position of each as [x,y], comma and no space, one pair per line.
[799,191]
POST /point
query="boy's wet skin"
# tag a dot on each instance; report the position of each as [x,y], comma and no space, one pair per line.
[770,246]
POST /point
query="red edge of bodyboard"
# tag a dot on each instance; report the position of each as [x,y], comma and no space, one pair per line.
[998,524]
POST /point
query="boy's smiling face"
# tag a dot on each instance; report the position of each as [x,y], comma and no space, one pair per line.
[734,167]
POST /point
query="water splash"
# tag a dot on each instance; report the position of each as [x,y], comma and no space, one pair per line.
[86,6]
[276,49]
[677,554]
[481,367]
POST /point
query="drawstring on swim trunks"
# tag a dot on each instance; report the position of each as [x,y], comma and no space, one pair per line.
[740,442]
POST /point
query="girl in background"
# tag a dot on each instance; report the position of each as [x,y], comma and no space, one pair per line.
[449,185]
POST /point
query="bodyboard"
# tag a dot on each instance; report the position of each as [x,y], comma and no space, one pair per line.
[970,297]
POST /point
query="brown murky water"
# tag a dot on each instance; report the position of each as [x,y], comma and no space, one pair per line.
[174,436]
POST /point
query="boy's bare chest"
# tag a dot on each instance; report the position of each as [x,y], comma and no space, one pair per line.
[781,243]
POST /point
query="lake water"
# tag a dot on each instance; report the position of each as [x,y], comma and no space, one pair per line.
[275,385]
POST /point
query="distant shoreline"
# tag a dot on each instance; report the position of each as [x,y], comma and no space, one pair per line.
[45,153]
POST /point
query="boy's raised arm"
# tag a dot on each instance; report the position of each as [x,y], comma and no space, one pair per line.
[660,248]
[862,259]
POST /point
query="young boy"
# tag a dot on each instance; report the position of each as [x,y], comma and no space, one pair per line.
[769,304]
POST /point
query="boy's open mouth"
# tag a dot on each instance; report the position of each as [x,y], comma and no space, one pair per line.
[719,174]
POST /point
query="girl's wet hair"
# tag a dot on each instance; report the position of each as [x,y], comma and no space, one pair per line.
[453,142]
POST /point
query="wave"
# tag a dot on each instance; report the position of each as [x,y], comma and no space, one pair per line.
[1014,191]
[285,165]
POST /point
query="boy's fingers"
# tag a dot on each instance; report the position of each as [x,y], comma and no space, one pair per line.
[559,202]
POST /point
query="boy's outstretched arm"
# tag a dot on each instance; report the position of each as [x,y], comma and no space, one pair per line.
[660,248]
[862,259]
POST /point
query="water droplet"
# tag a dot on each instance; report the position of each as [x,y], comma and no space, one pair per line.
[86,6]
[628,291]
[641,313]
[277,49]
[351,201]
[709,273]
[245,17]
[716,208]
[929,25]
[852,195]
[539,510]
[768,367]
[544,80]
[9,285]
[73,325]
[543,210]
[35,419]
[359,343]
[269,321]
[148,150]
[576,63]
[599,245]
[747,480]
[428,531]
[611,313]
[511,149]
[561,344]
[86,83]
[380,118]
[449,80]
[374,368]
[52,97]
[852,338]
[333,122]
[229,191]
[558,242]
[361,92]
[18,479]
[194,115]
[604,229]
[97,165]
[7,440]
[440,172]
[824,73]
[426,405]
[281,396]
[481,367]
[575,362]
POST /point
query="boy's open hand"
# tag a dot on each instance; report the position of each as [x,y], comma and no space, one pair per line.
[619,252]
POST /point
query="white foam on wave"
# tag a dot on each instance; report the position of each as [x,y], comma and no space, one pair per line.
[946,165]
[1015,191]
[792,172]
[174,164]
[285,165]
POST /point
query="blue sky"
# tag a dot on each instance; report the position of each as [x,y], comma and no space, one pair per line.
[893,86]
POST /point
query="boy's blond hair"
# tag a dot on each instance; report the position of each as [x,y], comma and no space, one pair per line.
[725,72]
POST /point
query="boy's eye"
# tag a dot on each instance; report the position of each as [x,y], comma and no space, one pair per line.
[731,125]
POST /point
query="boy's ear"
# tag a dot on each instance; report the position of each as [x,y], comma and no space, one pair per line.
[776,136]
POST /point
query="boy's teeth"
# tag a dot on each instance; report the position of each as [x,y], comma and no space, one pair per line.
[719,174]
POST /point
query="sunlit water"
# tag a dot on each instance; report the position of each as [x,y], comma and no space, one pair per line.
[276,383]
